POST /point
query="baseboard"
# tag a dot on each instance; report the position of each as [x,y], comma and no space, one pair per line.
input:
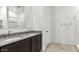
[62,42]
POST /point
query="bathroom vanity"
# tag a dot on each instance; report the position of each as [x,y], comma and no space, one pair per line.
[30,42]
[14,20]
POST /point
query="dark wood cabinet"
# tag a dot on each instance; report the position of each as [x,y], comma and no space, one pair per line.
[39,43]
[36,43]
[14,47]
[25,45]
[32,44]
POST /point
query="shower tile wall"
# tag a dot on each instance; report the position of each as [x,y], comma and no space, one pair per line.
[65,24]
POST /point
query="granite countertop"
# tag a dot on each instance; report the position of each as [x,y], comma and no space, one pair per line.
[4,42]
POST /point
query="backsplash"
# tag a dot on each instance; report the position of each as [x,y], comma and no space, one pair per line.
[5,31]
[14,34]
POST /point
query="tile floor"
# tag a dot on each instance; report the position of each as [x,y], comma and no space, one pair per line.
[57,47]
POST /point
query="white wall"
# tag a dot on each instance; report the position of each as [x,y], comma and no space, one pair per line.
[77,26]
[47,23]
[53,35]
[65,24]
[42,21]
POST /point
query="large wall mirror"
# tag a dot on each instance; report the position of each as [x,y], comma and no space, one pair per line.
[3,17]
[15,16]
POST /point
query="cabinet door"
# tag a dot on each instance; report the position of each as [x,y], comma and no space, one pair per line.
[14,47]
[33,44]
[39,43]
[36,43]
[25,45]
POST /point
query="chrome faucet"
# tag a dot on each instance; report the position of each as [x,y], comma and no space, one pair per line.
[9,32]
